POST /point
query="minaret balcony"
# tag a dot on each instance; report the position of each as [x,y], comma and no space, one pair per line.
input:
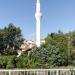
[38,14]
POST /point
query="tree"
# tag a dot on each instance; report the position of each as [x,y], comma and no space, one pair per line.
[11,39]
[60,41]
[71,47]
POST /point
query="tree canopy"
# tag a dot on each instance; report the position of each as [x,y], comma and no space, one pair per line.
[10,39]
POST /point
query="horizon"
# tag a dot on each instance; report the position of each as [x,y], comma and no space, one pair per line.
[56,15]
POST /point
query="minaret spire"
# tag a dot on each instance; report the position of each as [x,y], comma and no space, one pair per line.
[38,1]
[38,19]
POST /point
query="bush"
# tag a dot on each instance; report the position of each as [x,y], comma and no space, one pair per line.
[10,62]
[22,61]
[7,62]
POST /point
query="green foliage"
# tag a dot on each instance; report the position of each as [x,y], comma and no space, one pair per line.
[10,62]
[7,62]
[10,40]
[22,61]
[48,57]
[60,41]
[71,36]
[57,39]
[59,50]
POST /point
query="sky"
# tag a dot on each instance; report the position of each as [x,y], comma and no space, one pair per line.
[56,15]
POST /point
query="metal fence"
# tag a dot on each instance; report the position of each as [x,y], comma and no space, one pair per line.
[38,72]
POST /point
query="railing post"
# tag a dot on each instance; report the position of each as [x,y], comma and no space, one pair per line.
[37,73]
[57,72]
[9,72]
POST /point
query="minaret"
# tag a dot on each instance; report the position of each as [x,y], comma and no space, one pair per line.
[38,19]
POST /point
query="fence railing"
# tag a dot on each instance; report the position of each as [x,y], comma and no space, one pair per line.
[38,72]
